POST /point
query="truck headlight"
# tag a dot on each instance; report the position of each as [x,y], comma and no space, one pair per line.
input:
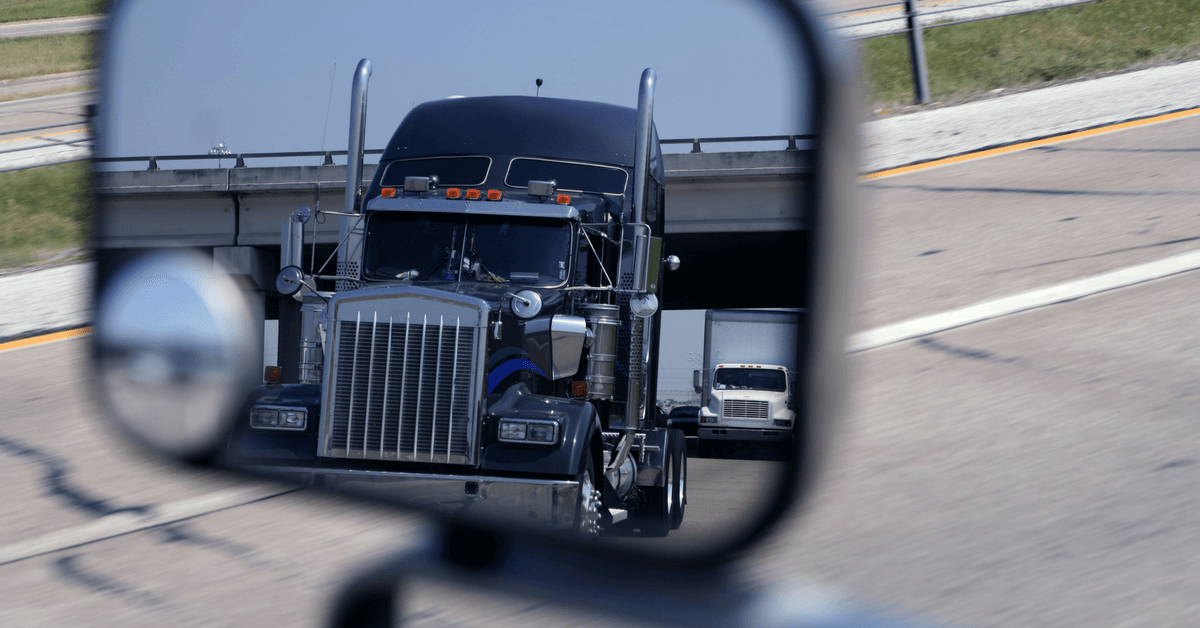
[783,423]
[535,431]
[278,418]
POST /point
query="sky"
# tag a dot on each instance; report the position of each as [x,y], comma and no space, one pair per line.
[275,76]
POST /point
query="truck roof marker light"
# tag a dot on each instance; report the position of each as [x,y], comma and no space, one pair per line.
[563,199]
[472,194]
[387,192]
[493,195]
[453,193]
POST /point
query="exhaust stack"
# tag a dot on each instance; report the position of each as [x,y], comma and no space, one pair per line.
[350,228]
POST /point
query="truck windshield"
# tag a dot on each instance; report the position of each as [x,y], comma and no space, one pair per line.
[449,247]
[750,379]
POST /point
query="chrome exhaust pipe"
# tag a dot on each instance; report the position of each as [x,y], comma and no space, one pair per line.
[358,128]
[350,227]
[641,144]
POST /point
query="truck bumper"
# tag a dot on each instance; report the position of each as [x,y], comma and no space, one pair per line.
[762,435]
[540,503]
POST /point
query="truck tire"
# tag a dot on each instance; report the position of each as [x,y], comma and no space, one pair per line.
[587,507]
[677,445]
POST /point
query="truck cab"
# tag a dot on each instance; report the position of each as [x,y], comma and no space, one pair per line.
[748,402]
[489,343]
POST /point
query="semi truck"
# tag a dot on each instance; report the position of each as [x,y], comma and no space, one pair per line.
[486,344]
[747,381]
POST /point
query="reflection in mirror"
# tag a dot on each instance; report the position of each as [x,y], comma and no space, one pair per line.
[523,313]
[174,351]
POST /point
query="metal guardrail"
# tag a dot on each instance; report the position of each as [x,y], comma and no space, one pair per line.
[914,28]
[152,160]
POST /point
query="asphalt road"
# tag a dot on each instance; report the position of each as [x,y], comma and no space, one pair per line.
[1036,470]
[44,130]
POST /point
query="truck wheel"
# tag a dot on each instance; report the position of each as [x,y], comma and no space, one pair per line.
[656,516]
[678,448]
[587,510]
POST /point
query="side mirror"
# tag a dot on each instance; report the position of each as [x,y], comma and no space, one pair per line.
[410,380]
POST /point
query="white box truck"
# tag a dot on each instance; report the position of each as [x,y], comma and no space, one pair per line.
[747,383]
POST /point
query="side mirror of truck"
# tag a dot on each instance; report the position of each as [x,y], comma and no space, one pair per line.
[407,363]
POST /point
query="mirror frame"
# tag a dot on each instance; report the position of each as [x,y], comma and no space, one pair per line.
[830,200]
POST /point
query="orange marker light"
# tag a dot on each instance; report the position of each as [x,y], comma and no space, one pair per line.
[563,199]
[453,193]
[493,195]
[387,192]
[472,195]
[579,390]
[272,374]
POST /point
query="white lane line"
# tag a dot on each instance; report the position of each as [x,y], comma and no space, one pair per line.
[987,310]
[124,523]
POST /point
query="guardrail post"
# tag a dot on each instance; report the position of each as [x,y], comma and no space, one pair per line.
[696,146]
[916,48]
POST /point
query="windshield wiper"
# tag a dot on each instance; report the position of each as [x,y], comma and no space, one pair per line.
[480,270]
[449,255]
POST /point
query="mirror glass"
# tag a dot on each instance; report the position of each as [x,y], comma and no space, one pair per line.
[488,327]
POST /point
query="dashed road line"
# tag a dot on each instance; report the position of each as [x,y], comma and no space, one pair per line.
[987,310]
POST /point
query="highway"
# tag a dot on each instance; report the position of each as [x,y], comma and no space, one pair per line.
[1036,470]
[44,130]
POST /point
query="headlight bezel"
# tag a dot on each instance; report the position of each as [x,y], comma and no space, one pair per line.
[521,431]
[273,417]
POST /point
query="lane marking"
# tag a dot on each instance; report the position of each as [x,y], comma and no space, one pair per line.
[934,323]
[36,137]
[44,338]
[1011,148]
[124,523]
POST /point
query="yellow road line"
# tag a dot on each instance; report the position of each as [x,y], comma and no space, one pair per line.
[37,340]
[34,137]
[1030,144]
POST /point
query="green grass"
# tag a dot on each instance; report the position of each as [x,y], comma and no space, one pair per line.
[44,211]
[18,10]
[967,60]
[38,56]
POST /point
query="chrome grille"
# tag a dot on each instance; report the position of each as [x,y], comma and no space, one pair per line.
[739,409]
[402,389]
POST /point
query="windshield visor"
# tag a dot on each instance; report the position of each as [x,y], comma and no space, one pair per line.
[750,379]
[448,247]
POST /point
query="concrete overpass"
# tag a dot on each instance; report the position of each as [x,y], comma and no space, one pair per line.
[723,209]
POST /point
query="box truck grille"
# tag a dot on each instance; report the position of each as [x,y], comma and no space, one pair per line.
[737,409]
[402,390]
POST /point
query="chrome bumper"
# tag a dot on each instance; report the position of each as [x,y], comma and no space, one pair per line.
[541,503]
[746,434]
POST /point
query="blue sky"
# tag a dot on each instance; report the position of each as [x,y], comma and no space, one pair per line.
[257,76]
[275,76]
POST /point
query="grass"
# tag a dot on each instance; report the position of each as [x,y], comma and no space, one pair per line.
[18,10]
[1020,51]
[39,56]
[45,211]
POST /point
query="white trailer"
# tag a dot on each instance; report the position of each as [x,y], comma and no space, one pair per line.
[747,385]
